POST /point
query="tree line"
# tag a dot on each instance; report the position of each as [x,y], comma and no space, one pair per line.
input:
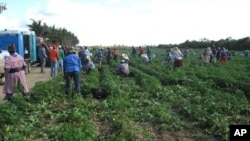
[229,43]
[50,33]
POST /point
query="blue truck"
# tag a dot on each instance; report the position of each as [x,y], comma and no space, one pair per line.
[25,43]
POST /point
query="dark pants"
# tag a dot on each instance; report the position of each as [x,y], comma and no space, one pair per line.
[82,61]
[76,77]
[177,63]
[42,64]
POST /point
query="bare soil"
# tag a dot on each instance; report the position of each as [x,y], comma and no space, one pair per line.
[31,78]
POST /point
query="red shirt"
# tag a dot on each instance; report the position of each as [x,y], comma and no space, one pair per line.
[53,55]
[141,50]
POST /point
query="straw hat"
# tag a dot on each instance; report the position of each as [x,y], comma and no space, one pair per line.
[125,56]
[176,50]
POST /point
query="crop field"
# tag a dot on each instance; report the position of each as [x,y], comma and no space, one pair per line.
[196,102]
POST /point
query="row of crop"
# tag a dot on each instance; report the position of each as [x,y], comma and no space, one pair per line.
[110,114]
[153,103]
[203,104]
[47,115]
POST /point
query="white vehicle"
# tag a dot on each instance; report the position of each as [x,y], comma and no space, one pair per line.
[3,55]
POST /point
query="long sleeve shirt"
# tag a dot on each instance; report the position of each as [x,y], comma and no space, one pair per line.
[42,53]
[123,67]
[72,63]
[53,55]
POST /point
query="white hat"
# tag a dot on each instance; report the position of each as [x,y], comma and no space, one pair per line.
[60,46]
[176,50]
[144,55]
[125,56]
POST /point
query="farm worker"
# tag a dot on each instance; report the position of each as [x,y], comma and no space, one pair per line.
[123,68]
[148,52]
[90,65]
[108,55]
[177,56]
[98,57]
[72,66]
[115,54]
[81,54]
[53,56]
[214,50]
[218,53]
[60,60]
[134,52]
[42,54]
[246,53]
[86,54]
[14,66]
[141,51]
[168,56]
[206,55]
[186,52]
[223,57]
[144,58]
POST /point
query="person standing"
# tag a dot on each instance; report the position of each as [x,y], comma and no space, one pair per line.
[115,54]
[207,55]
[60,61]
[223,57]
[54,56]
[98,57]
[81,54]
[177,56]
[108,55]
[148,52]
[72,66]
[141,51]
[14,66]
[42,54]
[134,52]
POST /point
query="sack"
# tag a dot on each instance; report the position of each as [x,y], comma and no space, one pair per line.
[99,93]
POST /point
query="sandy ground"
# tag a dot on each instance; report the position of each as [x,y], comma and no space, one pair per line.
[32,77]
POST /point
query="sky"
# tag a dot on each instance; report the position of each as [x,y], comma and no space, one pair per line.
[134,22]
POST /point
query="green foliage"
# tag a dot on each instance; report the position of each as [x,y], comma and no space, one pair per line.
[200,100]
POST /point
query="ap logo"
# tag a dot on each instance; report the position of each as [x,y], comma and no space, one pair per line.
[239,132]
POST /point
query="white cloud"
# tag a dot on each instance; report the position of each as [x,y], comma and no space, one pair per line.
[148,22]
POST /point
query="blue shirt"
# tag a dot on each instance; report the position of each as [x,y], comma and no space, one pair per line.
[72,63]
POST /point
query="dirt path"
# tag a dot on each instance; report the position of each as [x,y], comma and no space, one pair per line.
[32,77]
